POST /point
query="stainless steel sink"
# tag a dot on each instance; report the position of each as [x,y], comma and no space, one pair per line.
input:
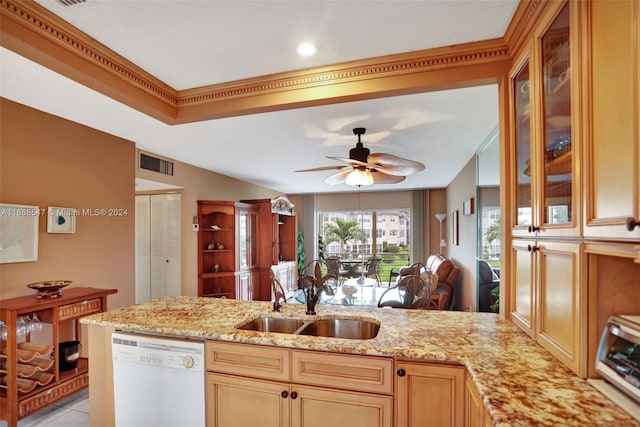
[273,324]
[342,328]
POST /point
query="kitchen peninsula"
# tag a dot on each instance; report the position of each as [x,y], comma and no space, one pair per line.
[515,381]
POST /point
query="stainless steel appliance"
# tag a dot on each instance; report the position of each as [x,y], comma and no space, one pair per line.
[158,381]
[618,361]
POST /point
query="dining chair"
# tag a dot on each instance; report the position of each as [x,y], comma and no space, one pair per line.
[372,269]
[335,267]
[410,292]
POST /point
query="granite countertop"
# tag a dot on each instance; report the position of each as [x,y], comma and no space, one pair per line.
[520,382]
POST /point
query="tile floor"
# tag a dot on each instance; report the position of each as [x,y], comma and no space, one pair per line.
[71,412]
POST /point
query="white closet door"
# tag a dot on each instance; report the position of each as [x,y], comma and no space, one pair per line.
[143,256]
[157,246]
[172,244]
[165,245]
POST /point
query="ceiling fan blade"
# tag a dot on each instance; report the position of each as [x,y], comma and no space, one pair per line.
[394,165]
[323,168]
[380,177]
[348,160]
[338,178]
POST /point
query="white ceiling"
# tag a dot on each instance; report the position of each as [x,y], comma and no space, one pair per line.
[188,44]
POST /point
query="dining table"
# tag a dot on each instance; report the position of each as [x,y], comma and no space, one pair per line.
[350,292]
[351,265]
[362,292]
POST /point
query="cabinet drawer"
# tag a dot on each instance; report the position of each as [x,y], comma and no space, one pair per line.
[80,309]
[249,360]
[52,395]
[361,373]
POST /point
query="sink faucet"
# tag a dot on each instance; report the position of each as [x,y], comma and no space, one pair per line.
[313,288]
[278,293]
[276,304]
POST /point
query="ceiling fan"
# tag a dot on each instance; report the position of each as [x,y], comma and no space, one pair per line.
[365,168]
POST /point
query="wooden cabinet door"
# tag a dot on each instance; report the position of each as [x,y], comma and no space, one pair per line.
[611,106]
[523,293]
[562,303]
[429,395]
[473,408]
[523,142]
[243,286]
[321,407]
[240,402]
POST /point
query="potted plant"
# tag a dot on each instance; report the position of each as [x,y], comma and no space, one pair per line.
[302,257]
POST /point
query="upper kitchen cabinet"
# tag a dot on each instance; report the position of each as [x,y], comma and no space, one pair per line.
[521,117]
[611,114]
[546,149]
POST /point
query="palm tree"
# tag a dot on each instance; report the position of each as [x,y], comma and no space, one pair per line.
[493,232]
[342,231]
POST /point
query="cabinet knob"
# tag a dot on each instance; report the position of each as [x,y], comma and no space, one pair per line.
[284,394]
[401,372]
[632,223]
[294,395]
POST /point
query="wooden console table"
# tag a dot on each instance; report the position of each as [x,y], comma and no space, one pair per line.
[31,374]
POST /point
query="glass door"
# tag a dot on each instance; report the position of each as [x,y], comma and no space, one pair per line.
[523,147]
[556,157]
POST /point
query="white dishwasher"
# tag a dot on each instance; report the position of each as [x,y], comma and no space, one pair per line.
[158,381]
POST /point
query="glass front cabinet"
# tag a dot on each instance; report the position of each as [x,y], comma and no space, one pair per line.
[227,254]
[546,275]
[543,134]
[247,253]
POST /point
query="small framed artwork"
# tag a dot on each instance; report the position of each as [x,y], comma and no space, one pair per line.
[467,207]
[18,233]
[455,231]
[61,220]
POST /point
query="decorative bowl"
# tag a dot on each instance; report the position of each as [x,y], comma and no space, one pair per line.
[50,287]
[349,290]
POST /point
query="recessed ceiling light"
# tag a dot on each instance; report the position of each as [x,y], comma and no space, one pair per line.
[306,49]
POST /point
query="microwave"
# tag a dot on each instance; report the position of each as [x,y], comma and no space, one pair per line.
[618,359]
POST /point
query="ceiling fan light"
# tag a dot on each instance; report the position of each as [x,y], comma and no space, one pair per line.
[359,177]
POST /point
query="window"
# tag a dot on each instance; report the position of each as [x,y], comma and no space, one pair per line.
[349,235]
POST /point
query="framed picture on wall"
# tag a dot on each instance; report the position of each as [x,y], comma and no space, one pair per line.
[467,207]
[61,220]
[455,231]
[18,233]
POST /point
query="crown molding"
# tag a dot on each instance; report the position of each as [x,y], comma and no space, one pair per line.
[490,51]
[41,36]
[522,23]
[34,32]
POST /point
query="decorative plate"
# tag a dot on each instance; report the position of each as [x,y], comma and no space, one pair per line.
[50,285]
[50,288]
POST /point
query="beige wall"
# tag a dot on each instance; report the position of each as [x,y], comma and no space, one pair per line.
[200,184]
[464,254]
[48,161]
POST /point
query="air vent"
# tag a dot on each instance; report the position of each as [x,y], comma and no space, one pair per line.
[66,3]
[155,164]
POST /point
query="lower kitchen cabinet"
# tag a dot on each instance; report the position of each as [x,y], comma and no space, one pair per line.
[429,395]
[238,401]
[321,407]
[293,388]
[234,401]
[548,297]
[475,414]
